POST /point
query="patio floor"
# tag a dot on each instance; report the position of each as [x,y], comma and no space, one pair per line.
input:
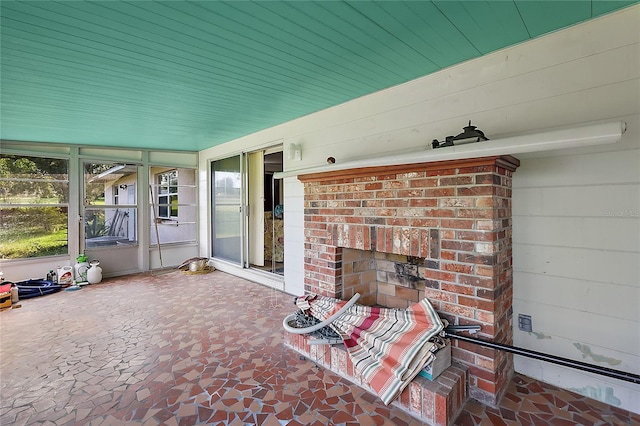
[177,349]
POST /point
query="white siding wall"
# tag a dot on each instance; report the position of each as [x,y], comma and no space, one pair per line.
[577,220]
[294,236]
[577,265]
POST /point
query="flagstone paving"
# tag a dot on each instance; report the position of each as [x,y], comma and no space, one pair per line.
[177,349]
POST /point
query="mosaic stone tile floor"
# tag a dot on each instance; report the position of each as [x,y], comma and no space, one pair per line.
[176,349]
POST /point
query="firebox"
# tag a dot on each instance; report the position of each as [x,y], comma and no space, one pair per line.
[440,230]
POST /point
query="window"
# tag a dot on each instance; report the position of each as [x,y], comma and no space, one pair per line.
[168,195]
[172,222]
[34,206]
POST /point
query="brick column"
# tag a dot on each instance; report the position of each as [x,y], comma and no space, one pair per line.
[322,257]
[486,252]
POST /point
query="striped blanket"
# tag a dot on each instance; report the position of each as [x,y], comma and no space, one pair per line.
[388,347]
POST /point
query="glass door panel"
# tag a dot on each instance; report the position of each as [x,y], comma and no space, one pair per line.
[110,207]
[226,185]
[109,211]
[255,188]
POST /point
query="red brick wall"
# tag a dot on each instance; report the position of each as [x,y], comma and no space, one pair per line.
[454,216]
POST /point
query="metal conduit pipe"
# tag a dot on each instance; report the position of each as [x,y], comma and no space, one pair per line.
[603,371]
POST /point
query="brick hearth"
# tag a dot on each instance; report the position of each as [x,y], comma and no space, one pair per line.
[437,402]
[440,230]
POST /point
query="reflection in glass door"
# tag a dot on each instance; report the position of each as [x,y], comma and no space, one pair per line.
[226,187]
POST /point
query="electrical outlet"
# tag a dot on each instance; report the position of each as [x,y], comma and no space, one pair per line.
[524,322]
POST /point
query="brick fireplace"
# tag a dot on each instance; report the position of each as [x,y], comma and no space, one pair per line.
[440,230]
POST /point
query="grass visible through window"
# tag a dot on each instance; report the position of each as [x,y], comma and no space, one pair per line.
[32,242]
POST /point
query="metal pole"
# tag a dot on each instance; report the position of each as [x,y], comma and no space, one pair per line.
[155,222]
[604,371]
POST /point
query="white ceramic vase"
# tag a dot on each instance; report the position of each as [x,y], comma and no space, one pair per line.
[94,273]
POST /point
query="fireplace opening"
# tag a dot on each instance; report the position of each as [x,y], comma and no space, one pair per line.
[384,279]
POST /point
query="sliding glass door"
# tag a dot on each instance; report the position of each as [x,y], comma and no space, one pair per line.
[247,210]
[227,202]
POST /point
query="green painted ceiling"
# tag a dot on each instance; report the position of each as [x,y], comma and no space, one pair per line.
[190,75]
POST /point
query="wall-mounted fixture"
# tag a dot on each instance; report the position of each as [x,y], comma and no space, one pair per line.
[294,151]
[470,134]
[525,323]
[123,186]
[577,137]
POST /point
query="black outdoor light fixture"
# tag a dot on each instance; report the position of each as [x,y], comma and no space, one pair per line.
[470,134]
